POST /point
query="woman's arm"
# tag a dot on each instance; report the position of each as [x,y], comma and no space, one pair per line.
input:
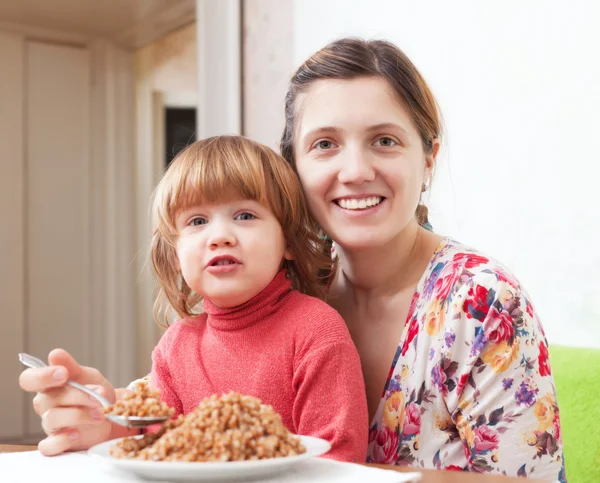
[505,405]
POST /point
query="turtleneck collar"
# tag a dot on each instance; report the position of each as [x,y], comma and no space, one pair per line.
[252,311]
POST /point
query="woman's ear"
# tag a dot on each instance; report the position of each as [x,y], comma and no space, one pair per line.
[430,160]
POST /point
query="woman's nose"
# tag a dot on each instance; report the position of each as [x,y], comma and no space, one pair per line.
[356,167]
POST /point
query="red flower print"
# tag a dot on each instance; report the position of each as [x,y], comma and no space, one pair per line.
[476,304]
[454,468]
[529,309]
[543,360]
[486,438]
[462,382]
[498,326]
[470,260]
[467,451]
[413,304]
[413,330]
[531,313]
[385,451]
[438,377]
[506,277]
[556,427]
[412,420]
[372,433]
[444,284]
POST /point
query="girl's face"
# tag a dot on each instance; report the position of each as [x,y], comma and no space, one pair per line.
[230,251]
[360,159]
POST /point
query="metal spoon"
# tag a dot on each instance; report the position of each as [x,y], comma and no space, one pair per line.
[128,421]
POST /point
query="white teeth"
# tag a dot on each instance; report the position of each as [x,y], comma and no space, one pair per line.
[224,262]
[354,204]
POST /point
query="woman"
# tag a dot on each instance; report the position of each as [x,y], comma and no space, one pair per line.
[454,358]
[470,385]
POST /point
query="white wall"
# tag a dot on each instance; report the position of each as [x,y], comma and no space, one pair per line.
[519,87]
[219,41]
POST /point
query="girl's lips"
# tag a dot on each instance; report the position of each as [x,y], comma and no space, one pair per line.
[218,269]
[222,264]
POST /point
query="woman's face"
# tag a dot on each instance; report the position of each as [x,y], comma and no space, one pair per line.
[360,159]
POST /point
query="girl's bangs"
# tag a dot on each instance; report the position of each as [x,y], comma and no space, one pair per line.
[210,176]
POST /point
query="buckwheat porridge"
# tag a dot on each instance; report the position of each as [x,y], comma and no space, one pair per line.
[231,427]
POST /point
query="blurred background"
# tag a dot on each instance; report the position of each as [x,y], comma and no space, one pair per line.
[97,97]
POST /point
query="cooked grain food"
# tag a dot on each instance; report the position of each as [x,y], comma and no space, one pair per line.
[231,427]
[142,402]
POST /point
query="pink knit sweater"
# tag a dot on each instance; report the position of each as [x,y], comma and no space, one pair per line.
[290,350]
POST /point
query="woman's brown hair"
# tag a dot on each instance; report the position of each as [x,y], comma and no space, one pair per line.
[352,58]
[209,171]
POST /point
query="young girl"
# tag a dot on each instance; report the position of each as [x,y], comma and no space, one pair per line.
[231,229]
[236,254]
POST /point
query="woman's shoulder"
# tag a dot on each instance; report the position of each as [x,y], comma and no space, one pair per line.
[471,293]
[456,265]
[465,283]
[466,256]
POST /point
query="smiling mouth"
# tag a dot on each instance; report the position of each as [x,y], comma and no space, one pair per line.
[358,204]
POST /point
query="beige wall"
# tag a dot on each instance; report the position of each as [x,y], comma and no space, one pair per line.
[175,61]
[267,67]
[173,66]
[12,251]
[65,198]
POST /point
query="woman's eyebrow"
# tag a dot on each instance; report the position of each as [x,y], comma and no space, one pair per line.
[334,129]
[385,125]
[322,130]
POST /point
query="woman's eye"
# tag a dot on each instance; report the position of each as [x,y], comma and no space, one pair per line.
[198,221]
[324,145]
[386,142]
[245,216]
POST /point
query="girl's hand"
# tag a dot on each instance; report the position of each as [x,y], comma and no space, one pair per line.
[72,420]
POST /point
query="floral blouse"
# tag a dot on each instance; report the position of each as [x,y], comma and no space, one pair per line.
[470,387]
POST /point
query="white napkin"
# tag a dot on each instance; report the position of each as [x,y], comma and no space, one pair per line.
[79,467]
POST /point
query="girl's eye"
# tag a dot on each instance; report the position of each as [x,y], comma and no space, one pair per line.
[198,221]
[324,145]
[386,142]
[245,216]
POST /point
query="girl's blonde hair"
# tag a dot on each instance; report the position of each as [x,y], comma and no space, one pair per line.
[209,171]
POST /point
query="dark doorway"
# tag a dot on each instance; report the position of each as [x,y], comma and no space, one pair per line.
[180,125]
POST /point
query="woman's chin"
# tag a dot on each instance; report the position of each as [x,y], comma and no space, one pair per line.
[362,240]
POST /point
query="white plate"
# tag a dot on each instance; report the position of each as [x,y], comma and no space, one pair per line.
[212,471]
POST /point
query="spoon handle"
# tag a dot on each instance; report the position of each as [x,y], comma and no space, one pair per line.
[102,400]
[34,362]
[31,361]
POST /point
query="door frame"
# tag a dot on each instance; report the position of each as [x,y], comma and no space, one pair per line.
[219,111]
